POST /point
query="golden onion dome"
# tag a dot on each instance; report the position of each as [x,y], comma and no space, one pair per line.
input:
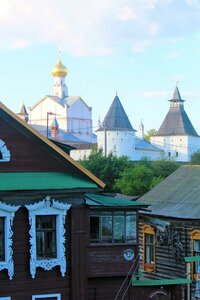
[59,70]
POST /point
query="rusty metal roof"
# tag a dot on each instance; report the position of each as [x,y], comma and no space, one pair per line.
[178,195]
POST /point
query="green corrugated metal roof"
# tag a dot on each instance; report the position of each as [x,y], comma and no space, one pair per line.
[100,200]
[42,181]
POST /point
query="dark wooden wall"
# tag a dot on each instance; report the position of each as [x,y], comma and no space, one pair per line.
[22,286]
[93,272]
[26,154]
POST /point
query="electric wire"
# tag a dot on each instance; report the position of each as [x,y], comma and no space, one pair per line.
[162,144]
[126,277]
[130,281]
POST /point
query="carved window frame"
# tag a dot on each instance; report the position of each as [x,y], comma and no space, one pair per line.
[149,267]
[58,296]
[48,206]
[195,235]
[4,152]
[8,212]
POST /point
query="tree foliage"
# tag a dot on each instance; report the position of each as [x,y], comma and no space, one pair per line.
[195,158]
[163,168]
[150,132]
[106,168]
[123,176]
[136,180]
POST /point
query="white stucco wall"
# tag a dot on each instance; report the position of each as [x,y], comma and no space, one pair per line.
[119,143]
[80,154]
[38,115]
[178,148]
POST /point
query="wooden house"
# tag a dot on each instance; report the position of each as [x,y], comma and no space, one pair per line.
[59,238]
[170,236]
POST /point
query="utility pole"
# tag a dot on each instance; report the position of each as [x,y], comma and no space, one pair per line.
[105,140]
[47,124]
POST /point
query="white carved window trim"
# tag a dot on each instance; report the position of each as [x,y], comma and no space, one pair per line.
[5,152]
[48,206]
[8,212]
[46,296]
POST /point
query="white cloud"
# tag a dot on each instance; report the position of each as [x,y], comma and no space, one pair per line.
[126,13]
[175,54]
[93,27]
[193,2]
[152,94]
[141,46]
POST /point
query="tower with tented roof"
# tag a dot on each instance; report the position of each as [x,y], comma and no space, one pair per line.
[176,135]
[116,133]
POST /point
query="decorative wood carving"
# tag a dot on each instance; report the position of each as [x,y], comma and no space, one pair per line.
[48,206]
[8,211]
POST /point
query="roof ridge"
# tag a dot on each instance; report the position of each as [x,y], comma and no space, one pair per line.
[52,145]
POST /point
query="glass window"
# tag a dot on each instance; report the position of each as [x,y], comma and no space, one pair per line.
[119,225]
[196,252]
[94,229]
[113,227]
[2,239]
[131,228]
[46,237]
[195,239]
[47,297]
[148,249]
[106,228]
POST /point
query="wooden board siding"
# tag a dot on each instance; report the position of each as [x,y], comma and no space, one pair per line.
[167,266]
[22,287]
[108,260]
[26,154]
[101,289]
[79,237]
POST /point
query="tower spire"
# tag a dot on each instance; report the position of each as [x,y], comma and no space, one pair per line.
[59,73]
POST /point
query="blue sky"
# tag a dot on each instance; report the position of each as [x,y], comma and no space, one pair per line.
[139,48]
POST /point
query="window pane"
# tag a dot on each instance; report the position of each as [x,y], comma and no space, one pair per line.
[46,236]
[149,248]
[119,228]
[106,228]
[149,255]
[2,239]
[49,298]
[196,253]
[131,228]
[94,229]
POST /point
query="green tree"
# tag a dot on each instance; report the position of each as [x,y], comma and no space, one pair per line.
[106,168]
[136,180]
[195,158]
[150,132]
[163,168]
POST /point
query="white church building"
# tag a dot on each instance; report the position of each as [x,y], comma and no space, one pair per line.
[73,115]
[68,119]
